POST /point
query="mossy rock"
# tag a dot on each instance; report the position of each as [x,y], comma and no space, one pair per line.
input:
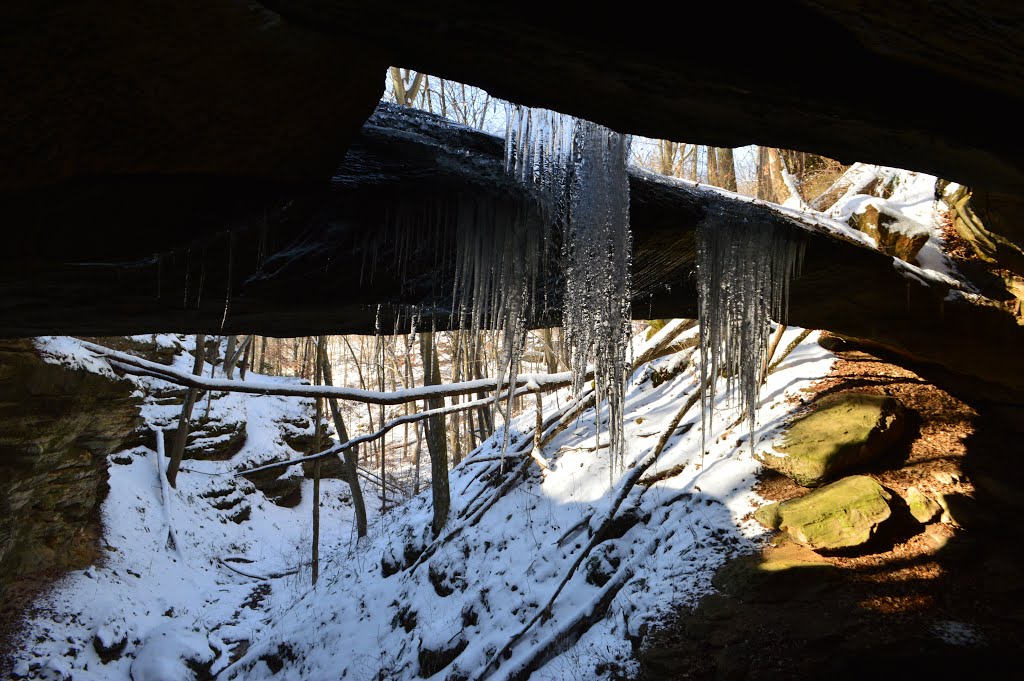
[841,431]
[776,574]
[843,514]
[769,516]
[655,325]
[922,507]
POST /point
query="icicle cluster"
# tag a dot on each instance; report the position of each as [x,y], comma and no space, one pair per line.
[577,173]
[744,272]
[500,251]
[574,174]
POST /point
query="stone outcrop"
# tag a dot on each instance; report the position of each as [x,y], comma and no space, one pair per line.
[922,507]
[894,234]
[843,514]
[57,426]
[281,488]
[290,262]
[842,431]
[776,574]
[584,63]
[212,439]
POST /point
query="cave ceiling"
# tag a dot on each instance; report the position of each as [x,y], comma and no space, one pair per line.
[136,135]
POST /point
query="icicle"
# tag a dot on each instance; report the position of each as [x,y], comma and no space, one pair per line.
[597,248]
[188,273]
[574,174]
[744,272]
[577,174]
[230,274]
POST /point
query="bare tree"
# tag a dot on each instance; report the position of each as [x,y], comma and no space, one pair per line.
[726,166]
[351,454]
[318,436]
[185,419]
[436,445]
[405,85]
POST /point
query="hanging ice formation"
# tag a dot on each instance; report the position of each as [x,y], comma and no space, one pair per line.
[576,172]
[577,194]
[744,271]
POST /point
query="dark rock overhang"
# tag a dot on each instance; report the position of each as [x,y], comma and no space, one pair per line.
[199,109]
[323,258]
[140,139]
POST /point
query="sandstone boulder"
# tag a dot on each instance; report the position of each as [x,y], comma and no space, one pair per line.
[841,431]
[843,514]
[921,506]
[776,574]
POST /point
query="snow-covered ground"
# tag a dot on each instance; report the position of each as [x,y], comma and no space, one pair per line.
[167,604]
[242,590]
[486,598]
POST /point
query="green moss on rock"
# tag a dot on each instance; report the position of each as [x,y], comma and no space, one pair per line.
[922,507]
[768,516]
[840,432]
[776,574]
[840,515]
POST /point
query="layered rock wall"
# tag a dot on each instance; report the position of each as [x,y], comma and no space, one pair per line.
[57,426]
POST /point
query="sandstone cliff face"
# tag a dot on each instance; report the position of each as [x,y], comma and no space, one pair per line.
[57,426]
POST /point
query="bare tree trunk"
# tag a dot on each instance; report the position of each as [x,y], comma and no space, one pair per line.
[229,367]
[765,186]
[405,94]
[435,436]
[471,430]
[213,361]
[261,366]
[234,353]
[454,422]
[726,167]
[318,437]
[712,162]
[484,420]
[351,454]
[359,373]
[550,356]
[185,419]
[382,444]
[416,457]
[784,180]
[246,357]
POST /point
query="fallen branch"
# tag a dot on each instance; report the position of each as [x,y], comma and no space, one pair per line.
[789,349]
[273,575]
[390,425]
[599,535]
[527,383]
[574,530]
[165,490]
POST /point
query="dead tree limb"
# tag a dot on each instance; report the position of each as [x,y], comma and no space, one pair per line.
[351,455]
[600,534]
[185,418]
[789,349]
